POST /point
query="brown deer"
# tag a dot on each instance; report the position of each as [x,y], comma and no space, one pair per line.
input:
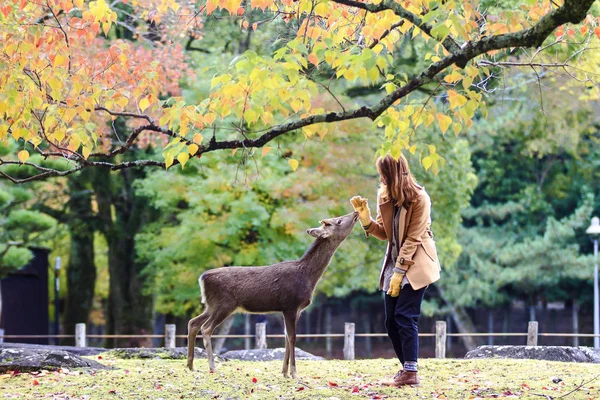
[285,287]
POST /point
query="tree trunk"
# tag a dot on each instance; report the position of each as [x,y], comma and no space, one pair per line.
[223,329]
[463,322]
[81,270]
[491,326]
[575,315]
[129,311]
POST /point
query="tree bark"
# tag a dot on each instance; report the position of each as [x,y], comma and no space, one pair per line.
[464,323]
[223,329]
[81,270]
[121,216]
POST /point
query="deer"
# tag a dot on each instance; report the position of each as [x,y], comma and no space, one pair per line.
[286,287]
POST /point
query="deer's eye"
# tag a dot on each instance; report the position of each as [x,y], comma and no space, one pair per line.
[339,221]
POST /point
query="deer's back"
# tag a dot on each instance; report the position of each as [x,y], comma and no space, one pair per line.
[267,289]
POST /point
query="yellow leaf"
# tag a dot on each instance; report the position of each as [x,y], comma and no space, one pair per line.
[455,99]
[168,160]
[59,60]
[453,77]
[427,162]
[23,155]
[183,158]
[293,164]
[233,151]
[193,149]
[265,150]
[78,3]
[444,121]
[85,151]
[55,84]
[144,103]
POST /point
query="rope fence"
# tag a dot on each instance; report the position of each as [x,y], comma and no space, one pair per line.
[349,336]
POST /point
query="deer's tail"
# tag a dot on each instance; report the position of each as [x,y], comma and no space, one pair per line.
[202,291]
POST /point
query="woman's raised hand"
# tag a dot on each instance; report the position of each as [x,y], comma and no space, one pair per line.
[361,205]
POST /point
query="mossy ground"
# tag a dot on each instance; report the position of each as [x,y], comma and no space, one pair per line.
[362,379]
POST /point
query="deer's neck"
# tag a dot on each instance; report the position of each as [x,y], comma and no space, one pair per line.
[317,258]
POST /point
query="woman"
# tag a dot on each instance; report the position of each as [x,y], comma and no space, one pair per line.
[410,264]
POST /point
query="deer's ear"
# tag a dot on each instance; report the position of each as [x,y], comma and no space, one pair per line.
[318,233]
[325,222]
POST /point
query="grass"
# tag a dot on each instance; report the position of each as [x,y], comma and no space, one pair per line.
[362,379]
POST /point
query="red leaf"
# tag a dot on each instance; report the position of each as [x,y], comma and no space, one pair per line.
[254,380]
[35,382]
[112,391]
[99,357]
[333,384]
[376,397]
[301,388]
[355,389]
[158,387]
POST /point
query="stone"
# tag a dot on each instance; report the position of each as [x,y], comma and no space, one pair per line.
[267,355]
[548,353]
[160,353]
[27,360]
[80,351]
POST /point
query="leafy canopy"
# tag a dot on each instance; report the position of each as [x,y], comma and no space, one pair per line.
[69,67]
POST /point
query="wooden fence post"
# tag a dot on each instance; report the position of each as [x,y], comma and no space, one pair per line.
[532,333]
[440,339]
[170,336]
[80,335]
[261,335]
[349,329]
[247,331]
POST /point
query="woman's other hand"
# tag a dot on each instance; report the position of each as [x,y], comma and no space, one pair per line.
[361,205]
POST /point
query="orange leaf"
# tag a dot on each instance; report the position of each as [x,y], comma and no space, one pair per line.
[265,150]
[313,59]
[597,31]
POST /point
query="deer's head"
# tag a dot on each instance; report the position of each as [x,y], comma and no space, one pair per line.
[337,228]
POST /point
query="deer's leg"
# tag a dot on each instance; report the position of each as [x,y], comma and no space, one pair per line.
[290,326]
[286,357]
[193,328]
[208,327]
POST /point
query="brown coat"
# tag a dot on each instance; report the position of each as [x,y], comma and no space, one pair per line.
[416,239]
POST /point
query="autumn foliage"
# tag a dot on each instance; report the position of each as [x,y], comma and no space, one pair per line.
[69,68]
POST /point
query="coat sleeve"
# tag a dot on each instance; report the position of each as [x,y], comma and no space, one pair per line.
[417,226]
[376,227]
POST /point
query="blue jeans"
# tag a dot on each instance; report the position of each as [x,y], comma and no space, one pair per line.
[401,321]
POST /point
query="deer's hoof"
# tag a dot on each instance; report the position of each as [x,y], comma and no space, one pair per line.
[190,366]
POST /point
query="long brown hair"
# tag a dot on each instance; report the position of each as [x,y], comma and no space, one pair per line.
[397,181]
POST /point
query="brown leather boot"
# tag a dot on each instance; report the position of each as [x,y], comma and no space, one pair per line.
[397,376]
[407,378]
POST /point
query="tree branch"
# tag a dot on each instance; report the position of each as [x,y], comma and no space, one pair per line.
[573,11]
[449,43]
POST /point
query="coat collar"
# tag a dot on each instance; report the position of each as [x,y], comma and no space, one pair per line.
[387,212]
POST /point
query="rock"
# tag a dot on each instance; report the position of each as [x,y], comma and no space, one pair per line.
[267,355]
[548,353]
[26,360]
[80,351]
[160,353]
